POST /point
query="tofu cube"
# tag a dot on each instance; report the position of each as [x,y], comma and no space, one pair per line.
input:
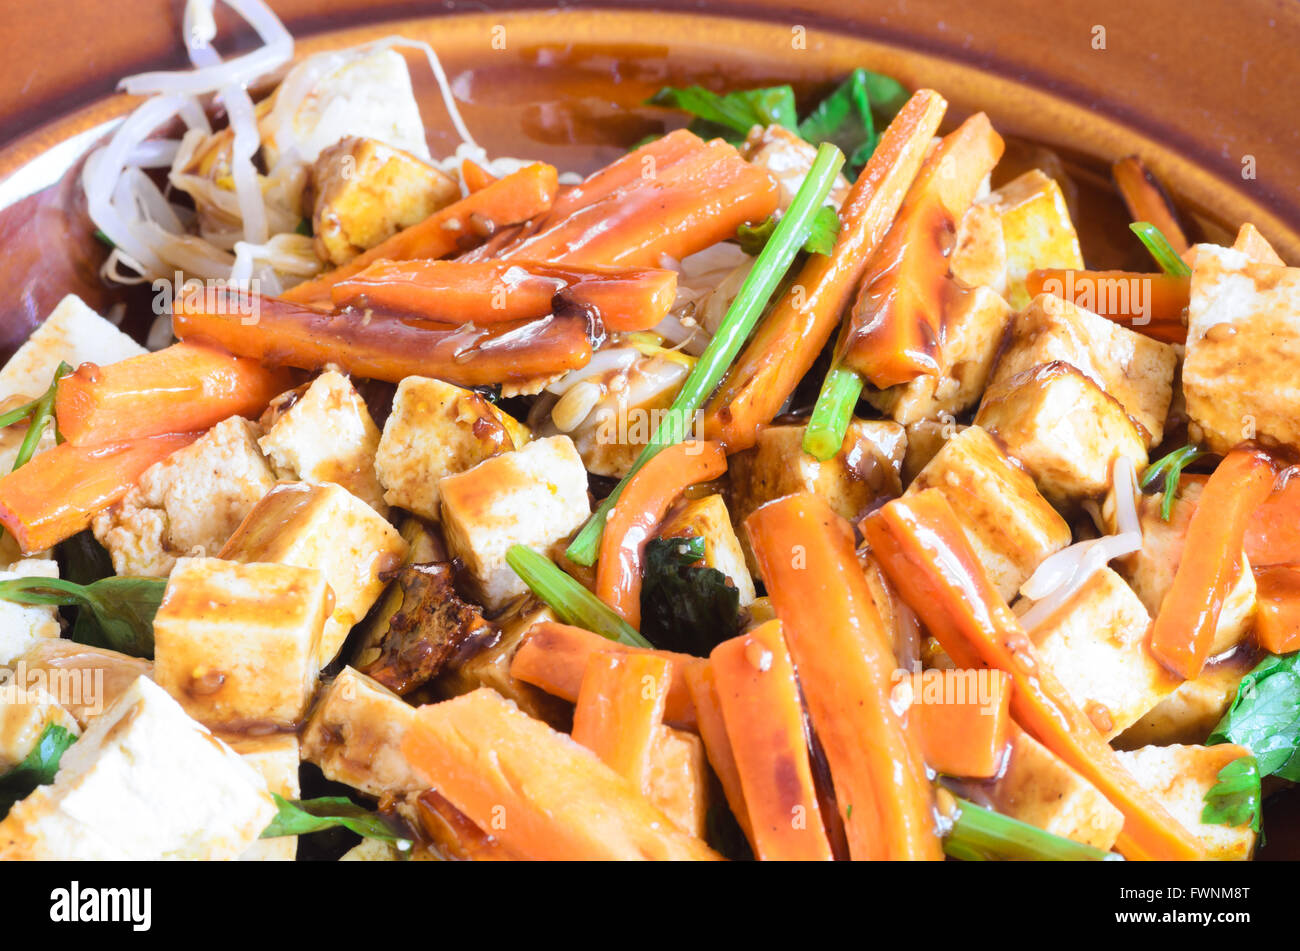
[678,780]
[924,440]
[1243,342]
[533,496]
[436,430]
[188,504]
[355,736]
[276,758]
[328,528]
[84,680]
[1136,370]
[72,334]
[1095,643]
[974,326]
[1036,228]
[979,257]
[325,434]
[1189,713]
[1179,777]
[1064,428]
[707,518]
[1010,526]
[25,712]
[789,158]
[237,644]
[144,782]
[22,626]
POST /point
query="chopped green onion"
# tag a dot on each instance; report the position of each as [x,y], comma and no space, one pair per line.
[573,603]
[1169,260]
[982,835]
[831,415]
[777,256]
[42,413]
[1171,468]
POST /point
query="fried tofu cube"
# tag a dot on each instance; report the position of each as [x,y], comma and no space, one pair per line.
[1036,228]
[144,782]
[325,434]
[188,504]
[707,518]
[1065,429]
[237,644]
[533,496]
[789,158]
[436,430]
[25,712]
[1189,713]
[1040,788]
[979,257]
[85,680]
[1134,369]
[1179,777]
[1010,526]
[678,780]
[974,327]
[276,758]
[366,191]
[1095,643]
[924,440]
[24,625]
[355,736]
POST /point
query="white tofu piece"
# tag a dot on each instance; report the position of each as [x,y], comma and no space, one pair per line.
[276,758]
[789,159]
[355,736]
[1189,713]
[24,625]
[979,257]
[1136,370]
[73,334]
[1095,643]
[434,430]
[144,782]
[1010,526]
[328,528]
[1243,343]
[1179,777]
[25,712]
[1036,229]
[707,518]
[924,440]
[533,496]
[188,504]
[326,434]
[974,325]
[237,644]
[1064,428]
[372,850]
[84,680]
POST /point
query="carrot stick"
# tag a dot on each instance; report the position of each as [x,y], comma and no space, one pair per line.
[475,176]
[554,657]
[963,733]
[542,795]
[717,745]
[920,544]
[1255,246]
[452,834]
[620,706]
[182,388]
[896,327]
[640,509]
[842,651]
[1183,632]
[383,346]
[489,292]
[457,227]
[1277,618]
[787,342]
[1146,200]
[1273,529]
[764,720]
[1151,304]
[57,493]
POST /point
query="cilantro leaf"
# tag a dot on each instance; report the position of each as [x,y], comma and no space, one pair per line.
[733,114]
[120,609]
[684,606]
[821,237]
[37,768]
[304,816]
[1265,717]
[1235,799]
[1170,467]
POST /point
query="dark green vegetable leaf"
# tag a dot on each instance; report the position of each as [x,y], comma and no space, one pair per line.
[1235,799]
[684,606]
[850,116]
[1265,717]
[723,834]
[304,816]
[103,238]
[821,238]
[37,768]
[982,835]
[732,115]
[1171,468]
[305,228]
[122,609]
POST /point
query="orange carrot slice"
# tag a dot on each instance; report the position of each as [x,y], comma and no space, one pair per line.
[963,719]
[1146,200]
[717,745]
[620,707]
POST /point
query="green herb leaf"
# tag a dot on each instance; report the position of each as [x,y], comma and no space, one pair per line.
[572,603]
[1171,468]
[305,228]
[101,237]
[122,608]
[821,239]
[732,115]
[37,768]
[1235,799]
[686,607]
[1169,260]
[304,816]
[1265,717]
[982,835]
[42,413]
[850,116]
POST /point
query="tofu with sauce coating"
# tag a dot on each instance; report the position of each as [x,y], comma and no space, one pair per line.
[276,757]
[789,159]
[1036,229]
[85,680]
[25,712]
[979,257]
[1189,713]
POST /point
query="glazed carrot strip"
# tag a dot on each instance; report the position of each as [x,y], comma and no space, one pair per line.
[56,494]
[476,177]
[1146,200]
[963,732]
[554,657]
[490,292]
[1273,529]
[382,346]
[1151,304]
[1183,632]
[717,745]
[806,557]
[1277,618]
[920,544]
[896,326]
[787,342]
[640,509]
[461,225]
[620,706]
[764,721]
[181,388]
